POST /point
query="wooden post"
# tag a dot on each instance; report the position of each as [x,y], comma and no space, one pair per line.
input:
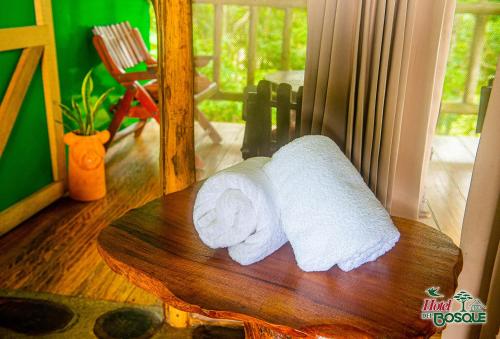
[264,117]
[252,44]
[50,77]
[287,39]
[298,112]
[174,317]
[284,105]
[478,40]
[218,30]
[176,102]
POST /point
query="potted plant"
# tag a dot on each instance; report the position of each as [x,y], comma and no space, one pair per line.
[86,176]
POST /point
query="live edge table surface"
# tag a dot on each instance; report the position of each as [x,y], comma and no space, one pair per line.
[157,248]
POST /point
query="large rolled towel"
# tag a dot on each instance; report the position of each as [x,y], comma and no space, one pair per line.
[328,213]
[235,209]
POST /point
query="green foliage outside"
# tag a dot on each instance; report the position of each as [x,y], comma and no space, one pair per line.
[233,76]
[269,40]
[456,72]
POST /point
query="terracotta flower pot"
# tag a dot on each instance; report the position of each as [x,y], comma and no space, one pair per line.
[86,177]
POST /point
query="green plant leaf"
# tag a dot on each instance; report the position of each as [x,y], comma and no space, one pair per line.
[89,107]
[87,88]
[68,112]
[72,115]
[97,105]
[65,125]
[84,113]
[78,112]
[101,100]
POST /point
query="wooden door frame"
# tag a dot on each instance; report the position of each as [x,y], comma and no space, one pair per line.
[38,43]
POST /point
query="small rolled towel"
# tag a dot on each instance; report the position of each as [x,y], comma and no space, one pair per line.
[235,209]
[328,213]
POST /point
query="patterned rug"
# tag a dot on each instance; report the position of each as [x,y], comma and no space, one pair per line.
[42,315]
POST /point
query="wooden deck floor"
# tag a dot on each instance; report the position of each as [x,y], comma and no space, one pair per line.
[55,250]
[447,183]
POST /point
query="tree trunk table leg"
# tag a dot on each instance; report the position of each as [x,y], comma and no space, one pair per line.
[256,331]
[174,317]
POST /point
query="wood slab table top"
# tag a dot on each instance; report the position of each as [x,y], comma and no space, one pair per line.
[157,248]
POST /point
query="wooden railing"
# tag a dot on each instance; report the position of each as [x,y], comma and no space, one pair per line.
[286,5]
[481,10]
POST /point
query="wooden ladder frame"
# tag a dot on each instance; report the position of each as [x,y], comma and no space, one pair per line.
[38,43]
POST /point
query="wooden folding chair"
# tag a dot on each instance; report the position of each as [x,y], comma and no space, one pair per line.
[120,48]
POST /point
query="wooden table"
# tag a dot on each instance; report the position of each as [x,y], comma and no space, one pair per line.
[158,249]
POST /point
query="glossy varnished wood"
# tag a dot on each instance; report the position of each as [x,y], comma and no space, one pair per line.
[176,93]
[157,248]
[55,250]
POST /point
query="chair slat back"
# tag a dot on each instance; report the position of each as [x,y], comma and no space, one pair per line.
[124,46]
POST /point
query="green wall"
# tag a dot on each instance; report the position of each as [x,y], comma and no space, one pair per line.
[25,166]
[76,54]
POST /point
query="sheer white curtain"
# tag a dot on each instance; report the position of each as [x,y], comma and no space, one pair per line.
[374,76]
[481,228]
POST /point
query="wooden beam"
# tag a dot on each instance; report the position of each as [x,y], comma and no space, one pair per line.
[218,30]
[459,108]
[228,96]
[23,37]
[25,208]
[176,92]
[476,51]
[16,91]
[50,78]
[482,8]
[263,3]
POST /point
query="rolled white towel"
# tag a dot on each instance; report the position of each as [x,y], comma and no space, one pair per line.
[235,209]
[328,213]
